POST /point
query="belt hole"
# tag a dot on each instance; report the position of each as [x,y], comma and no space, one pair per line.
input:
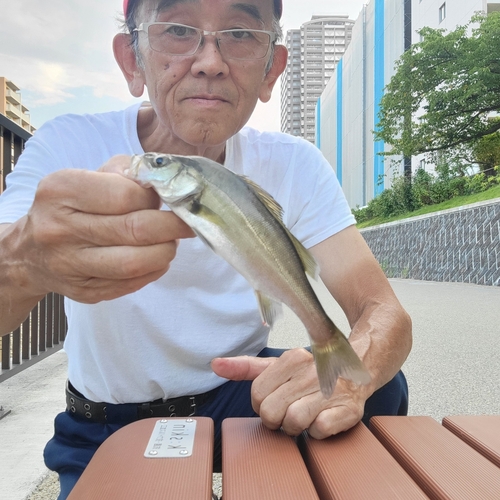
[171,408]
[172,415]
[73,409]
[88,415]
[72,401]
[86,406]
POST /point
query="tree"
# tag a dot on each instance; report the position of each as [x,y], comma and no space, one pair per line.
[487,152]
[450,84]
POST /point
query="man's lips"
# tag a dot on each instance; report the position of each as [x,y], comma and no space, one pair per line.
[206,98]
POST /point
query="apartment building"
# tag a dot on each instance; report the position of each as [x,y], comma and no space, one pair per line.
[11,105]
[314,51]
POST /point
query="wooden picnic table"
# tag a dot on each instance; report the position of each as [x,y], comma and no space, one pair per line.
[397,458]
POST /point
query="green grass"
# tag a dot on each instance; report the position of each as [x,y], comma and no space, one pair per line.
[458,201]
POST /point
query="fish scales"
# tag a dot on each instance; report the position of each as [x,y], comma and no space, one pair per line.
[243,224]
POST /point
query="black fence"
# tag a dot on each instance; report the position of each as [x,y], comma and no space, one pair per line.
[44,330]
[41,334]
[12,141]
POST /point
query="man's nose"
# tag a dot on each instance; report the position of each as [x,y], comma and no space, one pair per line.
[209,59]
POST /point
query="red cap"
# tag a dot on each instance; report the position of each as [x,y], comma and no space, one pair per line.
[278,7]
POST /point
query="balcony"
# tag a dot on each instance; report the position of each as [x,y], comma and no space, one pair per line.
[13,97]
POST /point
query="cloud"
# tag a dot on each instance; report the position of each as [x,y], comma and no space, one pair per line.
[49,48]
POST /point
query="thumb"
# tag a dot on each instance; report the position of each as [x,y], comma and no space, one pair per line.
[241,367]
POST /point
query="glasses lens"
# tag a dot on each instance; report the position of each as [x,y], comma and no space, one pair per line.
[173,38]
[244,44]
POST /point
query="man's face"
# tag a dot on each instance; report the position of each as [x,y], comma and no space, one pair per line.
[205,98]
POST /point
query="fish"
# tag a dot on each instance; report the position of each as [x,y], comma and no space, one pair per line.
[243,224]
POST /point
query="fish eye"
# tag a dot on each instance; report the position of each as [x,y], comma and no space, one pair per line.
[159,161]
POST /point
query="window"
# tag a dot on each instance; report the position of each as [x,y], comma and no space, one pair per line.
[422,164]
[442,12]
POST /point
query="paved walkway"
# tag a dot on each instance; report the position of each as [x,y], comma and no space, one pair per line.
[34,397]
[453,369]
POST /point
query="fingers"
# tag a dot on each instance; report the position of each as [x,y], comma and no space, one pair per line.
[334,420]
[139,228]
[286,394]
[95,290]
[87,230]
[241,367]
[95,192]
[127,261]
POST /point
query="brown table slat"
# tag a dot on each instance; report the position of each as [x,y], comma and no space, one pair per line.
[444,466]
[258,463]
[120,470]
[482,432]
[354,465]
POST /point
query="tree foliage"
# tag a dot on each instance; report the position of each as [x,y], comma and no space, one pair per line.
[486,151]
[450,84]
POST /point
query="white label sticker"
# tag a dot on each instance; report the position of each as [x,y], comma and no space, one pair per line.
[172,439]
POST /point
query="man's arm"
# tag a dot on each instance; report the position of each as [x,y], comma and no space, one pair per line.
[380,327]
[14,304]
[90,236]
[286,392]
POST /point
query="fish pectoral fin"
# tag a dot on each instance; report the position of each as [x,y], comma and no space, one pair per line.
[199,209]
[269,308]
[336,358]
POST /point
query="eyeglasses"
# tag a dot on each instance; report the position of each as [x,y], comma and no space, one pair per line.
[181,40]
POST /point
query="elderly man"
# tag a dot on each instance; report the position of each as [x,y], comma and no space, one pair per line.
[157,322]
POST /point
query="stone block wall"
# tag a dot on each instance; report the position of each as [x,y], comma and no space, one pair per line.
[460,244]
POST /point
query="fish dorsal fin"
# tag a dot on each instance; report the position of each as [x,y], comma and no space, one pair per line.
[270,310]
[308,261]
[272,205]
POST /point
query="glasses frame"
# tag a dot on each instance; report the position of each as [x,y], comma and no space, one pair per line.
[203,33]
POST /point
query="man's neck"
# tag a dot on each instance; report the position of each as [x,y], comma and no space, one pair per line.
[154,139]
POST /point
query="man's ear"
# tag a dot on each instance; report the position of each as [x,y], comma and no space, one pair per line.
[126,59]
[279,65]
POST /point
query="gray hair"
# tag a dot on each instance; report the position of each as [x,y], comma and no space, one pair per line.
[130,23]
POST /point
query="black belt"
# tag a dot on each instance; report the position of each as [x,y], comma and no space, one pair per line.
[185,406]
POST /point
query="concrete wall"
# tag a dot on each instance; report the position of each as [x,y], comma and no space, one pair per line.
[461,244]
[349,105]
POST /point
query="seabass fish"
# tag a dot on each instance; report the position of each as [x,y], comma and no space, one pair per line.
[243,224]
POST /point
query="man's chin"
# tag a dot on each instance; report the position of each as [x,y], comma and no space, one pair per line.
[207,133]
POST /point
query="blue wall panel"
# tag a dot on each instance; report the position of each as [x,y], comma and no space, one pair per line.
[339,119]
[379,79]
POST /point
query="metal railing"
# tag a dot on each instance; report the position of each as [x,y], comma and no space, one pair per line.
[12,141]
[42,333]
[44,330]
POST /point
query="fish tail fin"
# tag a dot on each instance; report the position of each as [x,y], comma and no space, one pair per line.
[336,358]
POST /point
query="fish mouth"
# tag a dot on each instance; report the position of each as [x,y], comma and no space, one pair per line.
[139,170]
[133,170]
[134,165]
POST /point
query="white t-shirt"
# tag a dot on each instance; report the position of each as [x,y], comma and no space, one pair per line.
[158,342]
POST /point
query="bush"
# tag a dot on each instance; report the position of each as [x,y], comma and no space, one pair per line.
[425,189]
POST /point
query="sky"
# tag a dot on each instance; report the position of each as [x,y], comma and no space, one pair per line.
[58,52]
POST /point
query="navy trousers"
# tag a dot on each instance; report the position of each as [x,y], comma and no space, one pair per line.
[76,440]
